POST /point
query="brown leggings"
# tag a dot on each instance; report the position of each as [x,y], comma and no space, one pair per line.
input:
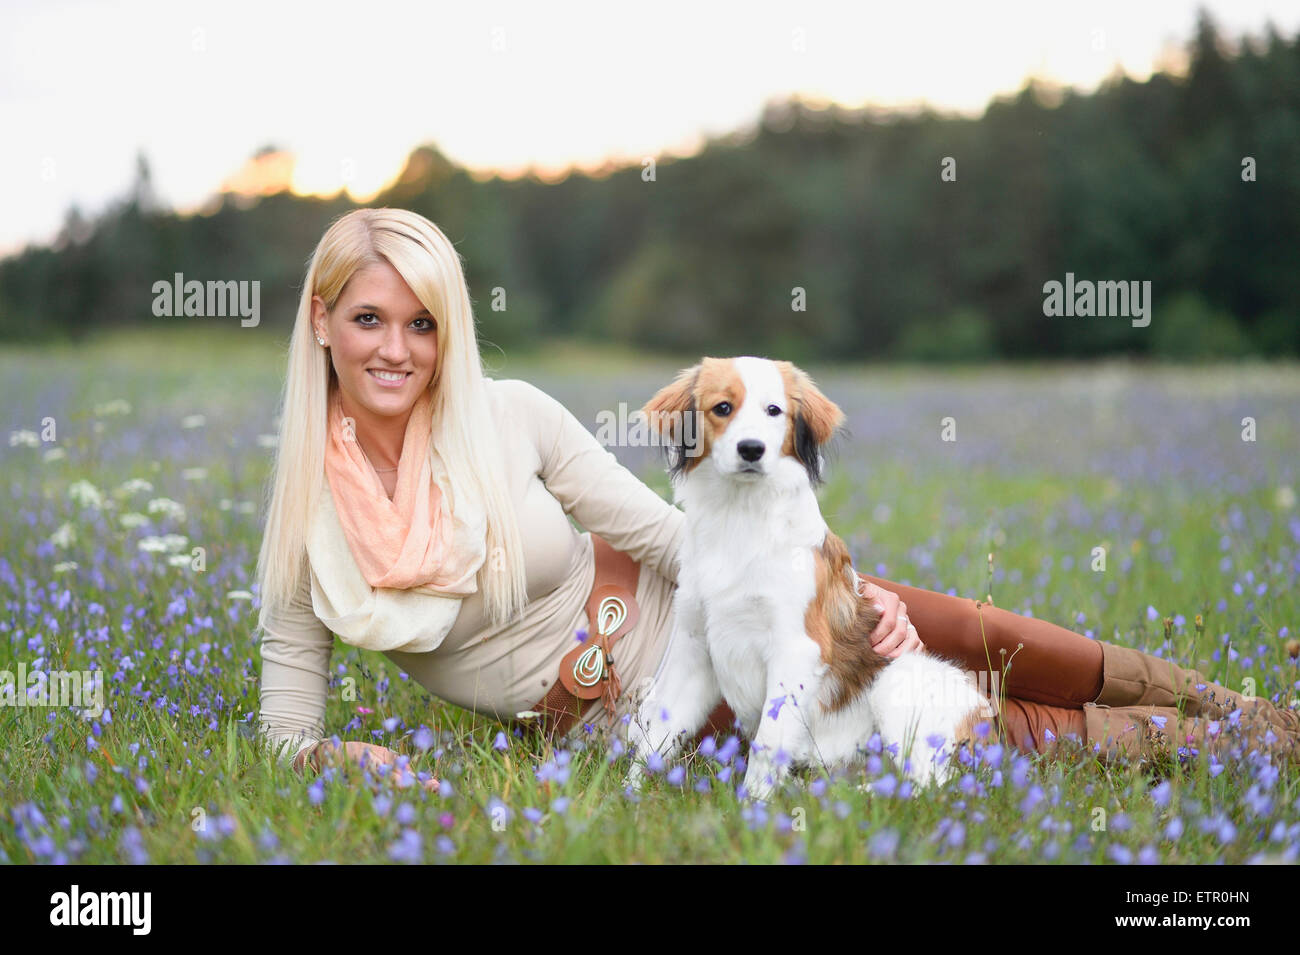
[1038,674]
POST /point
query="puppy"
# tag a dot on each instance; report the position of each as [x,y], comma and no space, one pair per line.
[768,613]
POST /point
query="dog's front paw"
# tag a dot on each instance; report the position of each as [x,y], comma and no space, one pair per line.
[758,785]
[635,778]
[639,751]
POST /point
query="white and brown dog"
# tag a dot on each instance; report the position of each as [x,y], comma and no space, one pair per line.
[768,614]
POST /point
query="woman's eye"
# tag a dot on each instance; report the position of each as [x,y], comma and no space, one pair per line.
[773,410]
[428,326]
[722,409]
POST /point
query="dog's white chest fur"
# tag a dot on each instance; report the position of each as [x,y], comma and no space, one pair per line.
[750,582]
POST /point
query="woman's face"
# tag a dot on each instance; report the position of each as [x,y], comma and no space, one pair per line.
[376,328]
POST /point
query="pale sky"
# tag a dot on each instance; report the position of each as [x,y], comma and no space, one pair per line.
[350,88]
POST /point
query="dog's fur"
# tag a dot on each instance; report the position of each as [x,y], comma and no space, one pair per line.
[768,615]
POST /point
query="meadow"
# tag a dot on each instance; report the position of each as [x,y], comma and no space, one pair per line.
[159,444]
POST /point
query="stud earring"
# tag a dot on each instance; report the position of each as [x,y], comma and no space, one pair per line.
[321,340]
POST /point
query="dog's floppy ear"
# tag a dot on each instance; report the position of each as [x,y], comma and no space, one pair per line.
[671,413]
[675,399]
[816,419]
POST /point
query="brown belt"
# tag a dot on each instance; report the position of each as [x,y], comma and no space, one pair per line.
[587,671]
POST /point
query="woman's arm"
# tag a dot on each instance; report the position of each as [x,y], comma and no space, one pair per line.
[591,485]
[296,650]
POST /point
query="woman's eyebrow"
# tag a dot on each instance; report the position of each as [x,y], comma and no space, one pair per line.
[378,308]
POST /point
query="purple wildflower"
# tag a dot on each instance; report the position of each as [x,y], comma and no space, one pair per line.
[1032,798]
[409,847]
[883,844]
[1118,853]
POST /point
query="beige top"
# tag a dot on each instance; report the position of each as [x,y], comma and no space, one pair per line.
[555,467]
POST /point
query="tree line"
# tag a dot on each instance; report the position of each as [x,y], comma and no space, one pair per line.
[814,234]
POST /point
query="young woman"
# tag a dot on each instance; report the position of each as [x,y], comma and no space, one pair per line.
[420,509]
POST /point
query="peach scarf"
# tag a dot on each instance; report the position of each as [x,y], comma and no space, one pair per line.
[390,574]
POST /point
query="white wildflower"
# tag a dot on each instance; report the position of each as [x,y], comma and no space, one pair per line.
[86,494]
[193,421]
[133,486]
[133,520]
[268,440]
[194,474]
[225,504]
[168,507]
[175,542]
[152,545]
[179,560]
[54,454]
[1285,497]
[65,565]
[29,438]
[239,595]
[64,536]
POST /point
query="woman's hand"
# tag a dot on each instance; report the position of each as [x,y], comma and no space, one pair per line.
[894,634]
[363,755]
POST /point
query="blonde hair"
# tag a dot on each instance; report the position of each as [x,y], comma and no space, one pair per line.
[462,423]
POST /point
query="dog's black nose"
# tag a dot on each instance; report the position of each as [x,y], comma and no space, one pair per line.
[750,450]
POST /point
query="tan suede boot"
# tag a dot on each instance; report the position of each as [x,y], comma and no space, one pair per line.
[1152,732]
[1132,678]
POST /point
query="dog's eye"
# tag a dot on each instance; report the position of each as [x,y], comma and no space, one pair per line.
[722,409]
[773,410]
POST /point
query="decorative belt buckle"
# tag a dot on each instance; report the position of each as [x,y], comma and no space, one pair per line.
[590,667]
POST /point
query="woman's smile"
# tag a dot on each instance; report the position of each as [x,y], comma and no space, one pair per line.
[389,379]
